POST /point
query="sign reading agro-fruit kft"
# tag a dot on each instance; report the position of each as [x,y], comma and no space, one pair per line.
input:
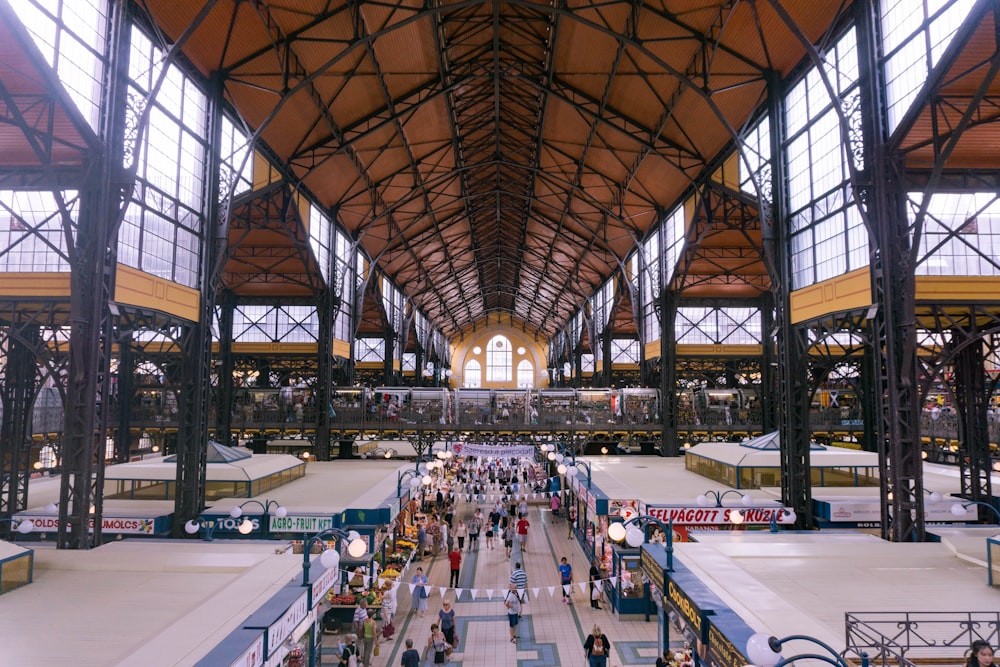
[300,524]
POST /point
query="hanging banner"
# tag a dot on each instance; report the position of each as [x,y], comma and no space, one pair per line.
[494,451]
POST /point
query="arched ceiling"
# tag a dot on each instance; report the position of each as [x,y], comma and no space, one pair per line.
[499,157]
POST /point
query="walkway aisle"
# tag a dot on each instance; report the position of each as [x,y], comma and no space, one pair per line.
[552,633]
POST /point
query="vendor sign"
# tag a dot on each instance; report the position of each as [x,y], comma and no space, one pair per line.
[494,451]
[694,516]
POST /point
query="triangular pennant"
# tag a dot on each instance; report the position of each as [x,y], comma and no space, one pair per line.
[412,586]
[535,592]
[492,496]
[534,496]
[613,580]
[381,582]
[475,592]
[567,589]
[489,593]
[443,590]
[552,591]
[583,586]
[367,580]
[458,593]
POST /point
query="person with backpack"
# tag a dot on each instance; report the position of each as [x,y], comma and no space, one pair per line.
[349,658]
[598,647]
[512,603]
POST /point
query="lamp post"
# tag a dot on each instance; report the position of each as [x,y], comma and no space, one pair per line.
[571,469]
[246,526]
[782,512]
[633,531]
[416,476]
[330,558]
[765,651]
[961,509]
[22,526]
[709,497]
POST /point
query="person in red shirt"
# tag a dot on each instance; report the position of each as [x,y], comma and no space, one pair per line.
[456,560]
[522,532]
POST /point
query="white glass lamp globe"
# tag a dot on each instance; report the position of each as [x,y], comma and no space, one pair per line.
[616,532]
[330,558]
[551,456]
[191,527]
[280,512]
[357,547]
[759,650]
[935,497]
[572,472]
[736,517]
[634,536]
[958,510]
[427,480]
[246,527]
[559,458]
[236,512]
[746,500]
[703,500]
[562,469]
[26,526]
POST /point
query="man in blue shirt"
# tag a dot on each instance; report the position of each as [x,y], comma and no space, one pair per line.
[411,657]
[565,578]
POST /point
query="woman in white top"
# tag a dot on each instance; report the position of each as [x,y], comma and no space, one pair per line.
[460,532]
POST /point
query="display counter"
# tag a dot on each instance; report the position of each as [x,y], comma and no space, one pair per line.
[628,594]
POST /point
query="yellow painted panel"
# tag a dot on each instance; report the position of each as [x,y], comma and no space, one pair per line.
[729,172]
[652,350]
[341,348]
[263,172]
[136,288]
[719,350]
[958,288]
[28,284]
[847,292]
[274,348]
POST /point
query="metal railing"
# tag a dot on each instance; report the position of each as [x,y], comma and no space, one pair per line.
[905,639]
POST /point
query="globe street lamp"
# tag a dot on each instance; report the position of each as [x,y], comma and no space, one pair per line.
[330,558]
[765,651]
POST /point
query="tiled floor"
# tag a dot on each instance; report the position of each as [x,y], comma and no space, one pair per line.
[552,633]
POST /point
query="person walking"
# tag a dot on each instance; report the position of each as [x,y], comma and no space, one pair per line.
[421,541]
[446,618]
[565,579]
[411,656]
[350,650]
[570,521]
[460,533]
[597,647]
[508,538]
[522,532]
[519,580]
[360,614]
[368,637]
[512,602]
[455,560]
[595,591]
[419,602]
[388,611]
[474,525]
[437,646]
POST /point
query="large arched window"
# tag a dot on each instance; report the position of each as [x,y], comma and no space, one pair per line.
[499,360]
[472,375]
[525,374]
